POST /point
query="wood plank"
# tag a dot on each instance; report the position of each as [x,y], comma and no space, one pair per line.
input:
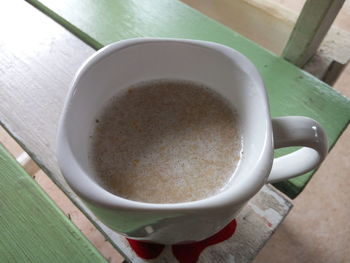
[291,90]
[32,227]
[310,29]
[37,64]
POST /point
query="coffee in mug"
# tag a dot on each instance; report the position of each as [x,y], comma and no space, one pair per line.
[165,141]
[147,146]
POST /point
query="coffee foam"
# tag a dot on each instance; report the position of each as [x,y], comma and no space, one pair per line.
[165,141]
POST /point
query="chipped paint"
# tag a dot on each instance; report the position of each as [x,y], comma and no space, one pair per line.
[270,215]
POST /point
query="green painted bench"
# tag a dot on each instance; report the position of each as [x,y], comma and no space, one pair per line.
[291,90]
[32,227]
[39,60]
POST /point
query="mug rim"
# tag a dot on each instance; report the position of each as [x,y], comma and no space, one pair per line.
[95,194]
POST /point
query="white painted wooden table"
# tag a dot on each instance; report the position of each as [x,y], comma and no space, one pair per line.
[38,59]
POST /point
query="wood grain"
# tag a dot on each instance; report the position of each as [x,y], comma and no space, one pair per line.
[291,91]
[37,64]
[32,227]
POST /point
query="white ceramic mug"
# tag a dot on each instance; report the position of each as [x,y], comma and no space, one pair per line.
[127,62]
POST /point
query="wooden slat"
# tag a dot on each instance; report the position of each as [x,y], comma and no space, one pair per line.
[32,227]
[311,27]
[37,64]
[291,90]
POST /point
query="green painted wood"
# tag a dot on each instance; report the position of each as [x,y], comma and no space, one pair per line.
[311,27]
[32,227]
[291,90]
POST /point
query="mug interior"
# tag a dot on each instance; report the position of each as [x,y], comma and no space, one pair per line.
[226,71]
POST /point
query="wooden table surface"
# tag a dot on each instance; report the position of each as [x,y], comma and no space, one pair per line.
[38,59]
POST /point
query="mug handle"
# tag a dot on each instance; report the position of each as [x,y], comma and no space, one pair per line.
[297,131]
